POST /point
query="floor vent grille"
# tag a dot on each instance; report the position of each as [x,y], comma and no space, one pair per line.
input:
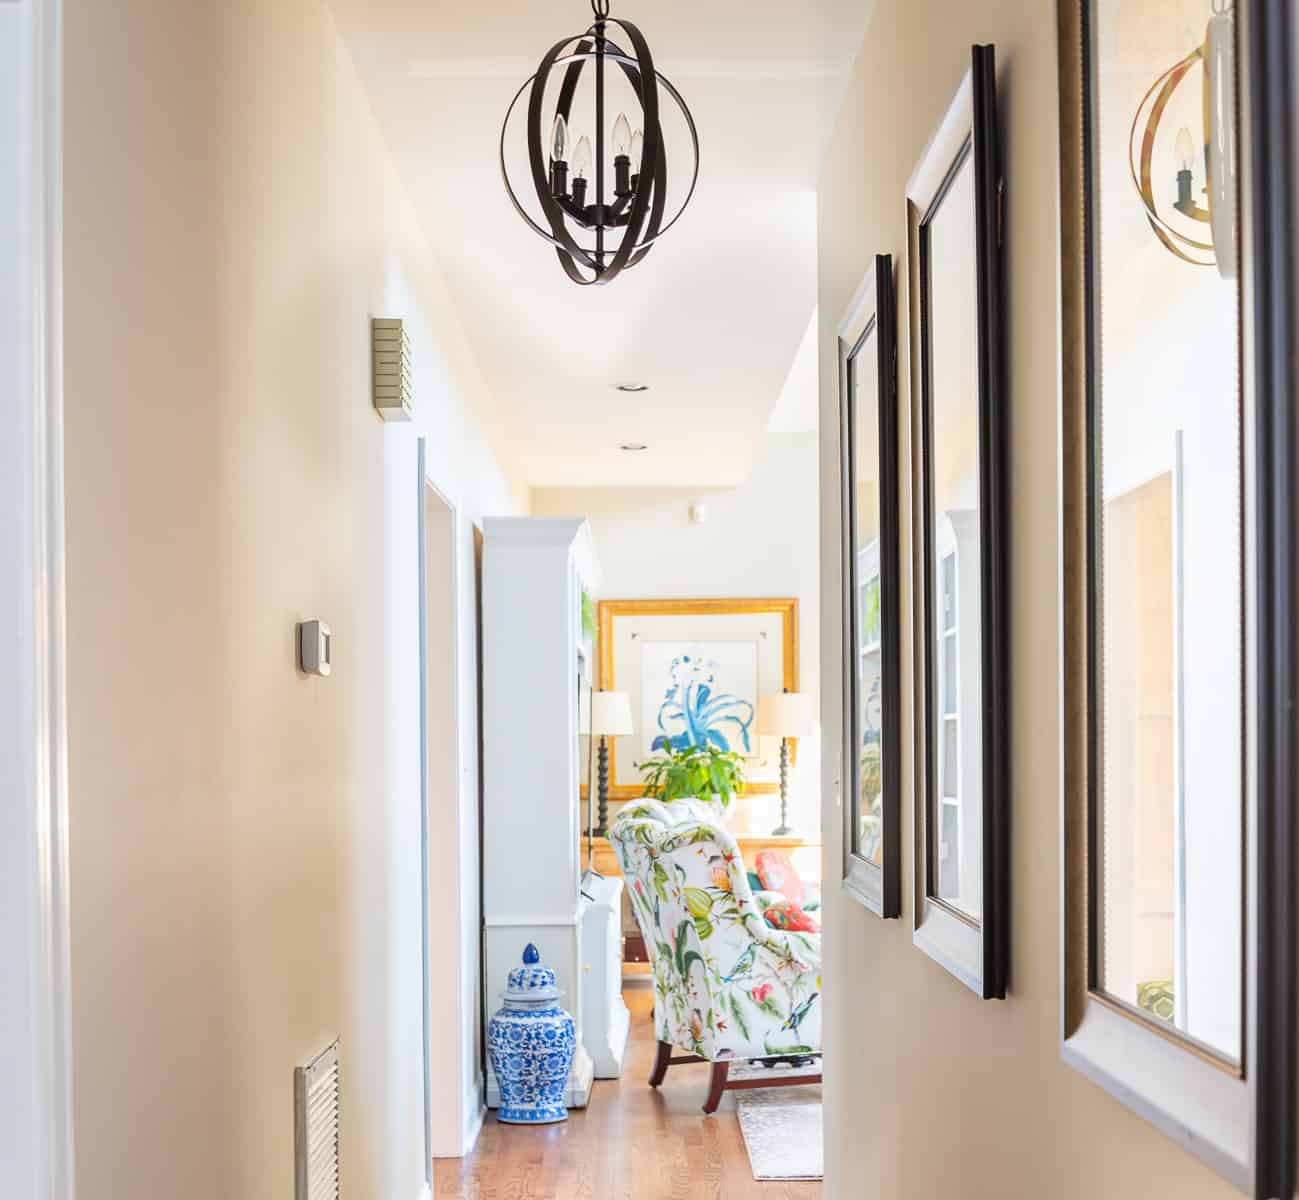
[316,1126]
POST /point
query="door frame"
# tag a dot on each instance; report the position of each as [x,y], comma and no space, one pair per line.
[450,1142]
[35,1029]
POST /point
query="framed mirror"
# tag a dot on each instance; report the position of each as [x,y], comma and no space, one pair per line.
[959,435]
[868,442]
[1178,560]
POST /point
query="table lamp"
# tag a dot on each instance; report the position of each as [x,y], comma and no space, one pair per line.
[784,715]
[610,717]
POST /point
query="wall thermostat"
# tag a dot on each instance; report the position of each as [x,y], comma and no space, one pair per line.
[314,647]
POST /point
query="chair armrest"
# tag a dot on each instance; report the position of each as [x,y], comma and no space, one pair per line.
[783,945]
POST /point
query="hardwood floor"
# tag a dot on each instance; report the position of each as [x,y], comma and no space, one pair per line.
[632,1143]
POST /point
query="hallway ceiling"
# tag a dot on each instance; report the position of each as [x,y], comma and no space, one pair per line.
[713,318]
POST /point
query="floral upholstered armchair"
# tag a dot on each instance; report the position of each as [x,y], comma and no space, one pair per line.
[727,985]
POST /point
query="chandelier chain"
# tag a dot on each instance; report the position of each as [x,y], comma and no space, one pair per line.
[600,8]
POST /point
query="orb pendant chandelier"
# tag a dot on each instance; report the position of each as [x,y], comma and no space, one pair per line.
[599,225]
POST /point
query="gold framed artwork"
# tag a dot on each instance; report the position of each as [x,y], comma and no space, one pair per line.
[694,670]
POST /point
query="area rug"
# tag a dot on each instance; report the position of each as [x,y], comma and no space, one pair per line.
[782,1131]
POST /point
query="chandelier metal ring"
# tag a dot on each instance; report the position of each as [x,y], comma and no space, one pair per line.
[639,199]
[646,87]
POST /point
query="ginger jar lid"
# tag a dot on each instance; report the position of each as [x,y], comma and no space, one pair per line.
[531,982]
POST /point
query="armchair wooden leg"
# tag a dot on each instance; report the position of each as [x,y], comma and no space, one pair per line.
[717,1086]
[661,1064]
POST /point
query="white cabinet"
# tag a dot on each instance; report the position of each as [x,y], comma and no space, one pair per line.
[534,669]
[607,1020]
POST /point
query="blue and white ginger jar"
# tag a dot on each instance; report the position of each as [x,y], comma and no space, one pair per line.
[531,1041]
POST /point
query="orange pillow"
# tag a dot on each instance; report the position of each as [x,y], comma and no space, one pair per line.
[785,914]
[778,875]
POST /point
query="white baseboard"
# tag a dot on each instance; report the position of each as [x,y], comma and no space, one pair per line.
[578,1092]
[607,1054]
[474,1127]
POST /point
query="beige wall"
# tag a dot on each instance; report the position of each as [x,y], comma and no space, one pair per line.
[245,840]
[939,1093]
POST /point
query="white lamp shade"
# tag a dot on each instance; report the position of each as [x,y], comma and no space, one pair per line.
[610,714]
[785,714]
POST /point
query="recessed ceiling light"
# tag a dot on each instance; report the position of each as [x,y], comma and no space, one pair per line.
[632,387]
[633,446]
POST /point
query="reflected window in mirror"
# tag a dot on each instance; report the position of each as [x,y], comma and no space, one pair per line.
[868,414]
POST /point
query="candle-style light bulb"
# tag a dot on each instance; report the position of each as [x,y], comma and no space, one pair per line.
[559,138]
[637,149]
[1184,152]
[621,136]
[582,158]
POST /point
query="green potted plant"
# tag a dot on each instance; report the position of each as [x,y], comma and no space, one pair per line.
[693,771]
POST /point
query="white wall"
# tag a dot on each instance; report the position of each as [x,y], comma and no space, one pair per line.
[759,539]
[245,840]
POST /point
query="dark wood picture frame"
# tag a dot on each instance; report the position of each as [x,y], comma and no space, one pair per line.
[1163,1077]
[976,952]
[871,324]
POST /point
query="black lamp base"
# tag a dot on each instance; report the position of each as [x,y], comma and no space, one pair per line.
[783,829]
[602,784]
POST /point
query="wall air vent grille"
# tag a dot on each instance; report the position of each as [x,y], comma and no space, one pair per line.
[316,1127]
[392,370]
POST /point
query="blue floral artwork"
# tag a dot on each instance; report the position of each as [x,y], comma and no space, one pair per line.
[697,710]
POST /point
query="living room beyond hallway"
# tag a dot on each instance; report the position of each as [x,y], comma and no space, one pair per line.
[650,725]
